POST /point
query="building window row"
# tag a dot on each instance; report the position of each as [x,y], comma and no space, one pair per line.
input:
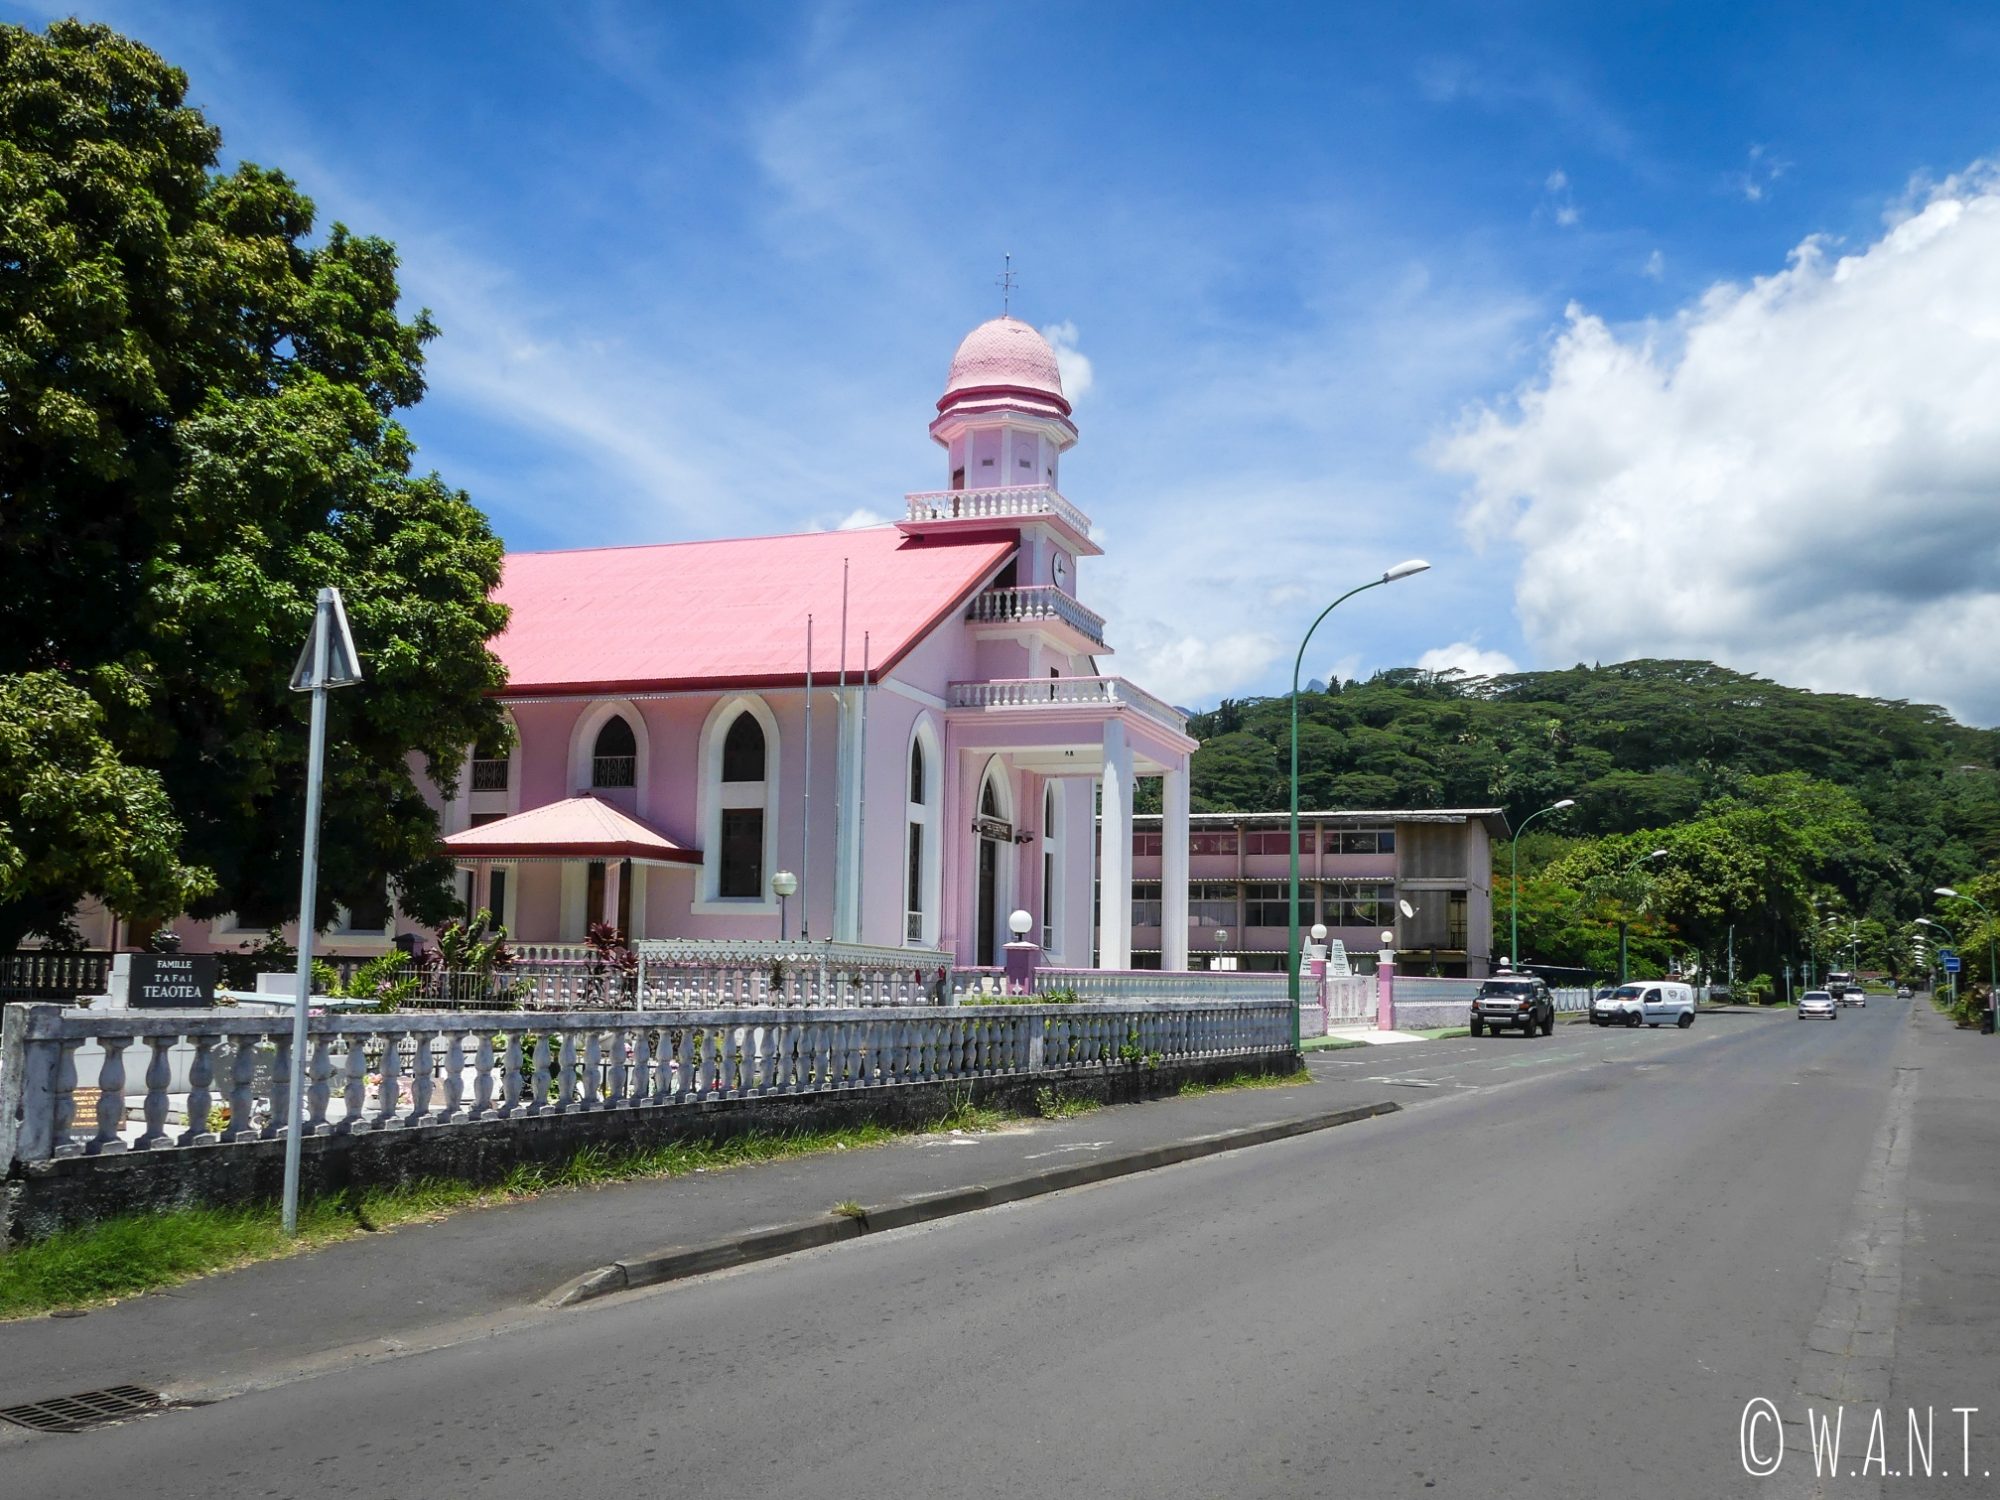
[1267,903]
[1226,841]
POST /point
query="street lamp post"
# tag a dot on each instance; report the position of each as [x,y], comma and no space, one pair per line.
[1956,946]
[1992,965]
[783,884]
[1624,975]
[1514,880]
[1401,570]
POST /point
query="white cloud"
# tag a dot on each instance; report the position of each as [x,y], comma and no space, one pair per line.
[1799,477]
[1655,266]
[1077,377]
[1761,171]
[1193,670]
[1559,201]
[860,518]
[1467,657]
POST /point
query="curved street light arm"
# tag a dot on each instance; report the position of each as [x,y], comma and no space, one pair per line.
[1400,570]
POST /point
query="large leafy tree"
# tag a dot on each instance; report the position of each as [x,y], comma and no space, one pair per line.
[197,431]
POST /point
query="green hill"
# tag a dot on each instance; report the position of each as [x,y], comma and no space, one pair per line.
[1641,746]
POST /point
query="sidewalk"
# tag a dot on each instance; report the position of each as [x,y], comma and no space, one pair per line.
[1949,1325]
[376,1293]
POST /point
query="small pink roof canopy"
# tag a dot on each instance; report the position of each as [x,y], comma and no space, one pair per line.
[1005,356]
[576,828]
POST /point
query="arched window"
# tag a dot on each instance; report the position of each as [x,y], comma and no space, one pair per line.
[740,846]
[614,758]
[994,882]
[743,750]
[1052,882]
[918,852]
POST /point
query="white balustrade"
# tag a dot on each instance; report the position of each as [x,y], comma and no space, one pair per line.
[1003,502]
[442,1070]
[682,973]
[1019,694]
[1156,984]
[1024,606]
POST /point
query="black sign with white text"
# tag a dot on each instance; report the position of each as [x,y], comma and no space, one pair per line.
[171,981]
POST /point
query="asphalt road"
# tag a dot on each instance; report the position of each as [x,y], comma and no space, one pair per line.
[1563,1270]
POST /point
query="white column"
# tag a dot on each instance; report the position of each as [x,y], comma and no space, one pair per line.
[847,829]
[1174,870]
[613,870]
[1114,860]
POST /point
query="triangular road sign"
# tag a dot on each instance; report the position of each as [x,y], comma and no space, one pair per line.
[343,663]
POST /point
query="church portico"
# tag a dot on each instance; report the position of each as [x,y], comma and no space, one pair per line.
[1069,756]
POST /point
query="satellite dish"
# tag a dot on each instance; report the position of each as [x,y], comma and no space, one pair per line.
[1408,910]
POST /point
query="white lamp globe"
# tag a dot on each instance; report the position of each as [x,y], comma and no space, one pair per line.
[1019,923]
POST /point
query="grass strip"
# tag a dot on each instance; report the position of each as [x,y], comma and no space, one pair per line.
[1194,1089]
[136,1253]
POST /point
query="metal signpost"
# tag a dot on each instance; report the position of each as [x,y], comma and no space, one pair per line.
[328,661]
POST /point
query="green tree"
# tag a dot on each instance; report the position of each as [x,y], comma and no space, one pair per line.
[198,406]
[74,818]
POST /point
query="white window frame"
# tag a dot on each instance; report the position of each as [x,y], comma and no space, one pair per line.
[716,794]
[583,749]
[927,814]
[1054,881]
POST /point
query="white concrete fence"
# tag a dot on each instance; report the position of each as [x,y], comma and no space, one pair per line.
[1158,984]
[169,1080]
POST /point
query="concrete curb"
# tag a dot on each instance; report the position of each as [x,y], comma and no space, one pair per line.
[678,1261]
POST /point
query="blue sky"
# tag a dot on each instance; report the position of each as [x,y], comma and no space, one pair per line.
[1351,283]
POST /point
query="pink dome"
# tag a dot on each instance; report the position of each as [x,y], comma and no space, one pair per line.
[1005,356]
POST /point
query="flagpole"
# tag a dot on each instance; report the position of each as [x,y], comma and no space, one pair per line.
[841,767]
[861,800]
[806,815]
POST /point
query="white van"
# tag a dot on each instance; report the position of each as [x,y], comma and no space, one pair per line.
[1647,1002]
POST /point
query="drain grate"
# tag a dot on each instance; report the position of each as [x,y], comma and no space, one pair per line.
[88,1409]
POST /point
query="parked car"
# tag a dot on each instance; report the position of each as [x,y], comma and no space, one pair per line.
[1818,1003]
[1514,1000]
[1902,992]
[1649,1002]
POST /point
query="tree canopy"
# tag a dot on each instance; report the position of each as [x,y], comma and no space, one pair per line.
[198,403]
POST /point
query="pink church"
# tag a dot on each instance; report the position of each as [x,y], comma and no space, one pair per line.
[672,765]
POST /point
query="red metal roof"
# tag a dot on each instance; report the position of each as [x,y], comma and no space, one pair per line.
[582,827]
[697,614]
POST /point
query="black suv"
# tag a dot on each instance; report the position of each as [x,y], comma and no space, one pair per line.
[1514,1000]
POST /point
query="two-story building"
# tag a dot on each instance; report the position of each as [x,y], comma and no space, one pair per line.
[1357,872]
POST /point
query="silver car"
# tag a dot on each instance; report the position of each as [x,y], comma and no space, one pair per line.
[1818,1003]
